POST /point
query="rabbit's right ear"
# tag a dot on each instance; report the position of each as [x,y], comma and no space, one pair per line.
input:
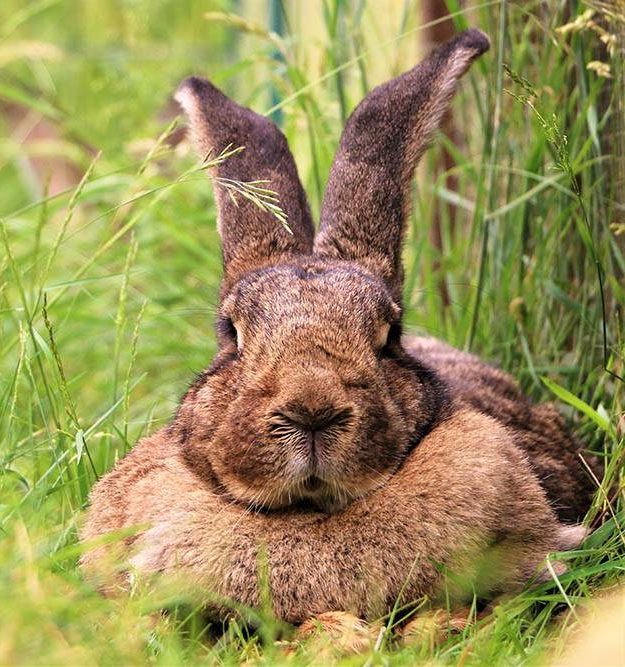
[367,198]
[252,237]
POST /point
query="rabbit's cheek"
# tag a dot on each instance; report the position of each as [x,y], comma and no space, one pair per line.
[241,454]
[382,440]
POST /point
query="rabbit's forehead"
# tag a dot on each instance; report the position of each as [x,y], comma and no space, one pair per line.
[334,290]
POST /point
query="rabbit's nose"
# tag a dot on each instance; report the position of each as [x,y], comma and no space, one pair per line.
[305,419]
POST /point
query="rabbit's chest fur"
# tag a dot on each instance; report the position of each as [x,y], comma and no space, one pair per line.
[465,488]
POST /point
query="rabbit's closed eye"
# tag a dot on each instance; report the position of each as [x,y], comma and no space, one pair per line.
[227,330]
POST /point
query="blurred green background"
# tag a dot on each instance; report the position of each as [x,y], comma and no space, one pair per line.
[109,282]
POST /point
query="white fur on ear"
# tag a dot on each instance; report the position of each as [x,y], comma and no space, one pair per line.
[184,98]
[188,102]
[188,98]
[243,149]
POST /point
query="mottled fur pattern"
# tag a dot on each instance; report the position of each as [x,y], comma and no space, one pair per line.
[539,430]
[357,463]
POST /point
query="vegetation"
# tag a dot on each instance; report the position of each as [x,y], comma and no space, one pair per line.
[110,268]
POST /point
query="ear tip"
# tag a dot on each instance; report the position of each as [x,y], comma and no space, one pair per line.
[193,84]
[191,89]
[473,39]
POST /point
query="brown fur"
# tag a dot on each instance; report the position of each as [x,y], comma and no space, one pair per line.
[539,430]
[382,142]
[356,464]
[465,489]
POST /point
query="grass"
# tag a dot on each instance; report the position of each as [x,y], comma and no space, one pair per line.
[110,269]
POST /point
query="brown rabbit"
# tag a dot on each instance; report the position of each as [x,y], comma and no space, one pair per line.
[358,463]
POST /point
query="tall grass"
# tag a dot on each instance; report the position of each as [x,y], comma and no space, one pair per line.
[110,268]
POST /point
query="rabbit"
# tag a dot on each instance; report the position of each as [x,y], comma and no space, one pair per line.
[359,465]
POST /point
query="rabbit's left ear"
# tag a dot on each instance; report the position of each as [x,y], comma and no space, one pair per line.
[367,197]
[251,236]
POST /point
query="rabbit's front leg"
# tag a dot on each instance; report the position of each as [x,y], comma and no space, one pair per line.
[432,627]
[339,631]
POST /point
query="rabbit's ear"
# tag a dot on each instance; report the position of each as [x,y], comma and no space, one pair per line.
[367,197]
[251,237]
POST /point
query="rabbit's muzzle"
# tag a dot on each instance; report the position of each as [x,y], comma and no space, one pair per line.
[310,420]
[309,439]
[311,434]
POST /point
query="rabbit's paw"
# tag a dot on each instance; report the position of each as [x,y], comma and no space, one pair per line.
[432,628]
[338,631]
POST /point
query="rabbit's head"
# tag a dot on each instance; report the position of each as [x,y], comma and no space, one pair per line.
[311,397]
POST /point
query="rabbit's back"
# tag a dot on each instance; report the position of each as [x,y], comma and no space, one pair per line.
[539,430]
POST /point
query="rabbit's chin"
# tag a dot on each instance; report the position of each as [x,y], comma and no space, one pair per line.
[317,494]
[313,494]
